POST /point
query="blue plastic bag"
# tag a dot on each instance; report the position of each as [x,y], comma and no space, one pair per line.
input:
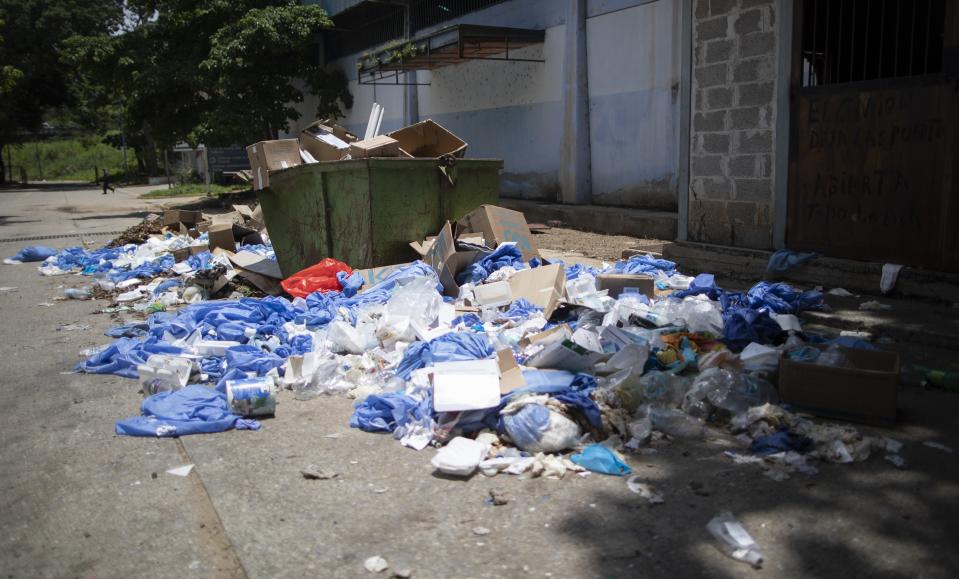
[191,410]
[34,253]
[598,458]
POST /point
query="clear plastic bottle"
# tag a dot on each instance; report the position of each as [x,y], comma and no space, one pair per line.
[734,540]
[677,423]
[78,293]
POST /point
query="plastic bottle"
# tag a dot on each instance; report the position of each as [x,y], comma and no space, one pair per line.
[78,293]
[734,540]
[676,423]
[941,378]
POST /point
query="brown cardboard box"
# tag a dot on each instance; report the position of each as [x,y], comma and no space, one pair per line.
[267,156]
[172,217]
[864,393]
[221,235]
[378,146]
[617,283]
[498,224]
[429,139]
[542,286]
[324,143]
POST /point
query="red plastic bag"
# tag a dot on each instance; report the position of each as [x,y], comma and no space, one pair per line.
[320,277]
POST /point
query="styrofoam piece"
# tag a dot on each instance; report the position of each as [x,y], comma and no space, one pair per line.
[214,347]
[467,385]
[460,457]
[493,294]
[163,372]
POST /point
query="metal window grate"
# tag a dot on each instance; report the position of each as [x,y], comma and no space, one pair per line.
[856,40]
[371,24]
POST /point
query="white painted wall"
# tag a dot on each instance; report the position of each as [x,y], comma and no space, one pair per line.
[513,111]
[634,74]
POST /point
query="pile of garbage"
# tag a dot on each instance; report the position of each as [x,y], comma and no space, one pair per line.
[505,361]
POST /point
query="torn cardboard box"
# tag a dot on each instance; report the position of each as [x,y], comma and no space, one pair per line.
[619,283]
[326,143]
[375,275]
[498,225]
[267,156]
[429,139]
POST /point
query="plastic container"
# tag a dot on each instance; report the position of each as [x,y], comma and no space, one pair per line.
[251,397]
[216,348]
[162,373]
[734,540]
[78,293]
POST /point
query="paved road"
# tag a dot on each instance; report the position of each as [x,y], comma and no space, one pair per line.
[79,501]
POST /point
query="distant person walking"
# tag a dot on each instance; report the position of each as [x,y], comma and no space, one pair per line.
[106,183]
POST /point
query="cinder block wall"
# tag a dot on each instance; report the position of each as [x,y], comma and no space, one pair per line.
[733,116]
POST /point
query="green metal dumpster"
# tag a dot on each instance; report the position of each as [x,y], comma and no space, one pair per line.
[364,212]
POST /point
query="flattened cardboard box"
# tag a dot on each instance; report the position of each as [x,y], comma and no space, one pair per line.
[864,393]
[498,225]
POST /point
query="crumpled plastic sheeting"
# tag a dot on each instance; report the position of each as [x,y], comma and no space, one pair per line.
[194,409]
[452,347]
[785,259]
[521,309]
[643,264]
[507,254]
[124,355]
[782,298]
[385,412]
[32,253]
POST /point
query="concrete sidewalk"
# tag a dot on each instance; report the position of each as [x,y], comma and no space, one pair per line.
[80,501]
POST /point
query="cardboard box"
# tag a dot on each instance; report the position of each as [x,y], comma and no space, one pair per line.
[429,139]
[378,146]
[221,235]
[542,286]
[324,146]
[497,225]
[864,393]
[172,217]
[618,283]
[267,156]
[467,385]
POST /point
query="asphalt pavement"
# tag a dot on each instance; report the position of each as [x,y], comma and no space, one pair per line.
[80,501]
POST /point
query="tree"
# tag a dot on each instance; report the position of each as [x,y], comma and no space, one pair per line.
[211,71]
[32,76]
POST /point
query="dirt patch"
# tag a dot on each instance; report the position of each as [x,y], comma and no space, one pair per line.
[595,245]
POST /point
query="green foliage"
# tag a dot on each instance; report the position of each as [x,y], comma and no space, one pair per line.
[194,190]
[66,159]
[211,71]
[33,79]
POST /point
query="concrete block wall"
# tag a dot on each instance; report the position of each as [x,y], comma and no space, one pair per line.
[733,108]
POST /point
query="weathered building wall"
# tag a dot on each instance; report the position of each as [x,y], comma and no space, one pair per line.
[634,74]
[731,169]
[514,111]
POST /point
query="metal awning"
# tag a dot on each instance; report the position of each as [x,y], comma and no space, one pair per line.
[447,46]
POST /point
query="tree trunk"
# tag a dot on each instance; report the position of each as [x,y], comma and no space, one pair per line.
[3,166]
[150,154]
